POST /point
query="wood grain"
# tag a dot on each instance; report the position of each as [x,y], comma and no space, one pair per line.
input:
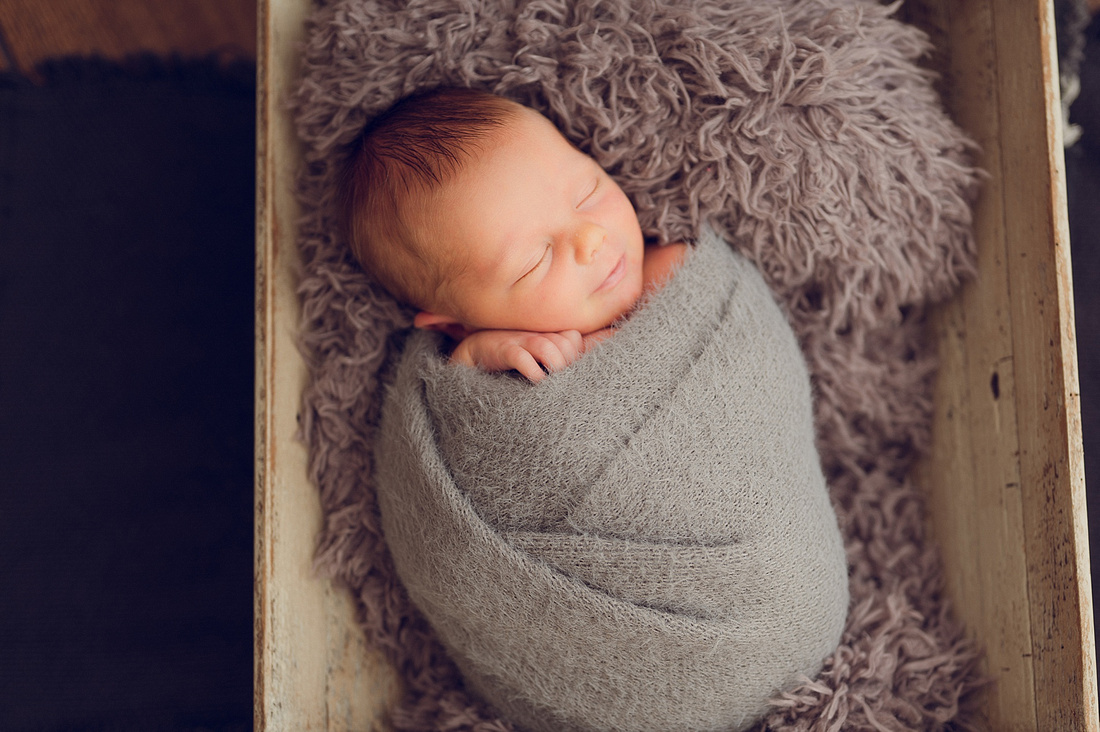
[978,529]
[1005,477]
[39,29]
[313,668]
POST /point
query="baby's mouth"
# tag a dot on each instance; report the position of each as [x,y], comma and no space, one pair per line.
[615,276]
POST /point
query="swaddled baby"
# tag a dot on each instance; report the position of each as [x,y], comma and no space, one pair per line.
[641,540]
[476,211]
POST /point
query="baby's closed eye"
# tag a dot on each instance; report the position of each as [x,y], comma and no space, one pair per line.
[590,192]
[545,258]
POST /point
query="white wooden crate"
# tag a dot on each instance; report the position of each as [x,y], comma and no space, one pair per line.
[1006,475]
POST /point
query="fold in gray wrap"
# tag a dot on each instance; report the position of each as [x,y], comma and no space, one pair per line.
[642,541]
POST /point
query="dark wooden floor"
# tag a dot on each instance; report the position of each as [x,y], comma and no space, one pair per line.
[31,30]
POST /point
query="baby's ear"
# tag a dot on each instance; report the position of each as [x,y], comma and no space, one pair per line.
[441,323]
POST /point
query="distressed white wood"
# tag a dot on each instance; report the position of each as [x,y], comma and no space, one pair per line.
[313,670]
[1006,475]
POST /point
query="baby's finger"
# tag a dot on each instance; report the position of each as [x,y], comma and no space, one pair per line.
[574,337]
[569,342]
[565,352]
[547,350]
[519,359]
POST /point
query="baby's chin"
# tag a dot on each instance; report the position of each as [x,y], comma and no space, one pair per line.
[614,316]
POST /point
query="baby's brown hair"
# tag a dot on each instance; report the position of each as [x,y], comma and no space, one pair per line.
[415,146]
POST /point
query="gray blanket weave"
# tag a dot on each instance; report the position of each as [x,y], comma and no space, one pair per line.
[642,541]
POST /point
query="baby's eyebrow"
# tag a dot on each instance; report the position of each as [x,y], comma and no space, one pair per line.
[487,268]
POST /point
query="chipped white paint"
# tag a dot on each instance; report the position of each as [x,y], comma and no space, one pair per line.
[312,668]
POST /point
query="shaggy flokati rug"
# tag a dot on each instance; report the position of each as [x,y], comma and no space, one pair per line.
[807,135]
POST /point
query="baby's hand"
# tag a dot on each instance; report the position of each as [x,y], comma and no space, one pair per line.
[524,351]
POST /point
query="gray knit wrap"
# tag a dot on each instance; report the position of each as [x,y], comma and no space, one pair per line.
[642,541]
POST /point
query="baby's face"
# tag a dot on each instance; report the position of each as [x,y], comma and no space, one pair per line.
[540,237]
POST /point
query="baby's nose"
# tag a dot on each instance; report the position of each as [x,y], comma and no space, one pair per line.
[589,239]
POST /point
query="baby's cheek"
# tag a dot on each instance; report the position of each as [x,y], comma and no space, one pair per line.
[662,262]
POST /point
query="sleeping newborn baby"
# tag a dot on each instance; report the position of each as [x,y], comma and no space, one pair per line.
[642,538]
[478,212]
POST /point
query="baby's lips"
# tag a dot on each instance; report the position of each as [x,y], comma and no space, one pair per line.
[614,276]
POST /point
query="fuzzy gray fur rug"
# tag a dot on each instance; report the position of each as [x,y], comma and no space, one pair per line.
[808,136]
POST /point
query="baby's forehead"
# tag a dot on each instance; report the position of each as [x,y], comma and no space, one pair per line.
[434,212]
[540,127]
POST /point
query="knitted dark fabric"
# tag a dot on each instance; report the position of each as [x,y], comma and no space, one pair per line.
[126,310]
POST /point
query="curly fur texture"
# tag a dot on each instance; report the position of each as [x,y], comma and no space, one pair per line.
[804,132]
